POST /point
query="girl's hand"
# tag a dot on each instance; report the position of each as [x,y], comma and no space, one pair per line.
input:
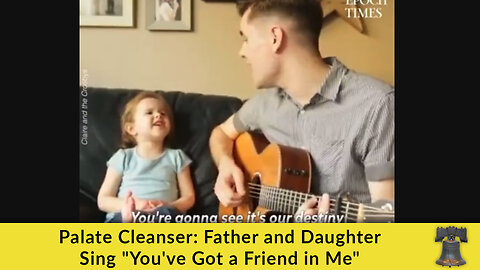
[146,205]
[141,204]
[156,203]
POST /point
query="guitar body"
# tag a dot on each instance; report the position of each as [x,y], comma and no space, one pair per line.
[277,179]
[268,164]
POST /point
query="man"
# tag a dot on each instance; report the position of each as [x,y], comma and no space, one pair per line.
[344,119]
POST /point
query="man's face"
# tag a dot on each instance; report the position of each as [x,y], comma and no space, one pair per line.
[257,51]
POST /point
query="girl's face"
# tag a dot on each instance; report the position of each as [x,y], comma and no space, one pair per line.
[150,121]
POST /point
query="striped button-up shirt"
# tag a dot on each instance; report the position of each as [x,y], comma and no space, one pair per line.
[348,129]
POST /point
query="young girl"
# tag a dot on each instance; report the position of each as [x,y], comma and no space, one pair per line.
[145,174]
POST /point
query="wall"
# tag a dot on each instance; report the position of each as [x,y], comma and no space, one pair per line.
[206,59]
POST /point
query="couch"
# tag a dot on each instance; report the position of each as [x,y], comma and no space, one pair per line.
[195,115]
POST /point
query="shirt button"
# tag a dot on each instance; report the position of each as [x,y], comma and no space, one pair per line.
[302,111]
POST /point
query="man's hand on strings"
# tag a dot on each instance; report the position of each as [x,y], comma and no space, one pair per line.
[314,206]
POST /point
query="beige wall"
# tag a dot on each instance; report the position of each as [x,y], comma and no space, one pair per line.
[206,59]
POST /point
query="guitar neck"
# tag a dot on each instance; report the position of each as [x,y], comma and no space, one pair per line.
[284,200]
[288,202]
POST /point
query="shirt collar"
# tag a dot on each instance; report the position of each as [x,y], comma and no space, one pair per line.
[331,86]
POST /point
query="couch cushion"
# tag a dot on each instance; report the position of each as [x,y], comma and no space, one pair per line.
[195,115]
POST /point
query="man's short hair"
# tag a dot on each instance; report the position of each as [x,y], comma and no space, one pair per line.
[307,14]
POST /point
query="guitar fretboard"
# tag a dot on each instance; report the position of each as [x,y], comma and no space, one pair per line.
[288,202]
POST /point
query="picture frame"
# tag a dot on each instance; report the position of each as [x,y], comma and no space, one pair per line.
[106,13]
[169,15]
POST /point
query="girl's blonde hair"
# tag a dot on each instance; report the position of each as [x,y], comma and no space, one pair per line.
[128,140]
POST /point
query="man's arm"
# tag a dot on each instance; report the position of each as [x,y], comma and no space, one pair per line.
[382,190]
[378,149]
[221,140]
[229,186]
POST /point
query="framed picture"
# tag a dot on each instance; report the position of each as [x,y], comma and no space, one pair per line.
[174,15]
[106,13]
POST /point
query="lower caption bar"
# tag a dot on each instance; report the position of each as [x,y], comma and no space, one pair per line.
[238,246]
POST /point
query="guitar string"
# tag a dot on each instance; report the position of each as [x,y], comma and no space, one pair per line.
[295,202]
[367,213]
[258,186]
[285,202]
[285,206]
[302,194]
[387,215]
[305,194]
[287,198]
[348,217]
[381,214]
[378,212]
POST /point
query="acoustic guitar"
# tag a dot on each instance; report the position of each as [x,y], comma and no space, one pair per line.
[278,180]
